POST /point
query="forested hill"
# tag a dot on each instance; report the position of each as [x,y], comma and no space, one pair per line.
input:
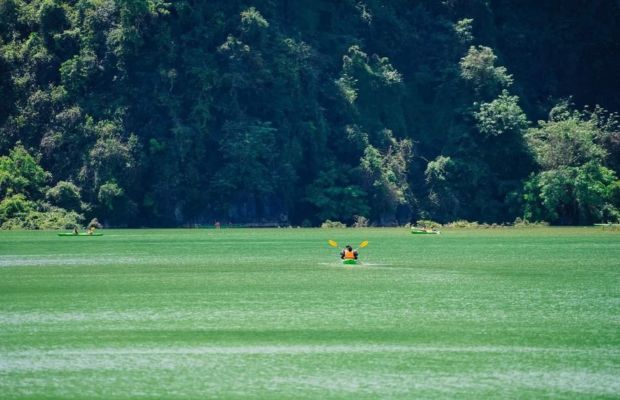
[153,113]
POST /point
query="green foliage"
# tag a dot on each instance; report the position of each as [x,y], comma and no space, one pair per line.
[334,195]
[17,212]
[333,224]
[111,156]
[565,140]
[614,193]
[427,224]
[110,196]
[501,115]
[14,206]
[252,19]
[594,187]
[438,170]
[21,174]
[386,174]
[76,72]
[8,17]
[64,141]
[524,223]
[22,185]
[367,76]
[347,86]
[65,195]
[359,221]
[52,17]
[441,176]
[264,112]
[250,156]
[478,67]
[573,187]
[56,218]
[572,195]
[463,29]
[463,224]
[114,206]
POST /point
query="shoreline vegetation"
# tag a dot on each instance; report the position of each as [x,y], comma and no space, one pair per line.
[460,225]
[374,112]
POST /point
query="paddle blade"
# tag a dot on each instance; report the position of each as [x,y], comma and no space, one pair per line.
[332,243]
[363,244]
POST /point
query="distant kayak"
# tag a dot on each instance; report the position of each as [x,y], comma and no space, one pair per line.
[423,232]
[349,262]
[80,234]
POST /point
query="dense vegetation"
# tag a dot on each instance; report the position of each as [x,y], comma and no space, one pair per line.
[145,112]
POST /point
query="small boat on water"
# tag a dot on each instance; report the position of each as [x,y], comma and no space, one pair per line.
[418,231]
[80,234]
[349,262]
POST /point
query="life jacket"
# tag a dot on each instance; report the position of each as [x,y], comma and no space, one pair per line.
[349,255]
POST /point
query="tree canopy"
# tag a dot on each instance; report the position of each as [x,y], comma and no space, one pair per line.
[156,113]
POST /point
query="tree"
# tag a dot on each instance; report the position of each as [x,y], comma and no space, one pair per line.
[500,116]
[21,174]
[478,67]
[573,195]
[111,157]
[565,140]
[385,177]
[441,175]
[22,185]
[573,186]
[15,205]
[336,195]
[163,102]
[250,175]
[373,89]
[65,195]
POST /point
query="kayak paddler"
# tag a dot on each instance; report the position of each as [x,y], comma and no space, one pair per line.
[348,253]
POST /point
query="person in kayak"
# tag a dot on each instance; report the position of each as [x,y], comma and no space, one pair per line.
[348,253]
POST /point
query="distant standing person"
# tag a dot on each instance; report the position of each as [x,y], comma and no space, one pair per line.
[218,225]
[348,253]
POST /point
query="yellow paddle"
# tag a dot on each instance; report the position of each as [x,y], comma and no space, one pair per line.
[333,243]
